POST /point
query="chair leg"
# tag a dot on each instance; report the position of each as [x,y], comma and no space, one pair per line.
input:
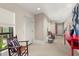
[9,52]
[72,52]
[19,52]
[27,48]
[27,51]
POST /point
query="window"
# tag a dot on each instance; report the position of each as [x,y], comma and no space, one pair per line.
[4,35]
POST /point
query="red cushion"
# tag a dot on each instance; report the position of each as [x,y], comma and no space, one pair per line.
[72,39]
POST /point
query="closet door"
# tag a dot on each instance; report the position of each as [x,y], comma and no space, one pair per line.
[29,29]
[59,28]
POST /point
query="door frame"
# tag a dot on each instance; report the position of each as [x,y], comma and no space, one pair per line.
[56,28]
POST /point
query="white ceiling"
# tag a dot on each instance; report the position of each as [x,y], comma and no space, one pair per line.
[55,11]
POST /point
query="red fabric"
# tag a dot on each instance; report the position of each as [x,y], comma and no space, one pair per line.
[71,40]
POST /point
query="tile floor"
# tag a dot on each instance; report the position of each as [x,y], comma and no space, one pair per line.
[55,49]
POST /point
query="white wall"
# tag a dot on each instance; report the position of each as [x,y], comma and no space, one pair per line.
[19,18]
[41,25]
[68,22]
[7,18]
[52,27]
[45,28]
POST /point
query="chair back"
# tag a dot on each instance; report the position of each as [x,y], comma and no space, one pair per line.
[12,42]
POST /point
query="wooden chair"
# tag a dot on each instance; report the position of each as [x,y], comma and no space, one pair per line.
[15,49]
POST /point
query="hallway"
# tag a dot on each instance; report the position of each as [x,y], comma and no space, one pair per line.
[55,49]
[35,23]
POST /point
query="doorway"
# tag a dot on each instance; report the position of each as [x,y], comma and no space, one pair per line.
[59,29]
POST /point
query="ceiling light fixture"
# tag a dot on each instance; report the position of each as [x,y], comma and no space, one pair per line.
[38,9]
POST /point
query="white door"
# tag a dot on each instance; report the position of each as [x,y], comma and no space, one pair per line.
[60,29]
[29,29]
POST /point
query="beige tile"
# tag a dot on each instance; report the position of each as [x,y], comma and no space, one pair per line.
[55,49]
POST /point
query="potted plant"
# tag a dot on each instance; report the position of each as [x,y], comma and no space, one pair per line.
[1,41]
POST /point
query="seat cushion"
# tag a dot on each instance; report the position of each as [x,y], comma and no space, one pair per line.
[23,49]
